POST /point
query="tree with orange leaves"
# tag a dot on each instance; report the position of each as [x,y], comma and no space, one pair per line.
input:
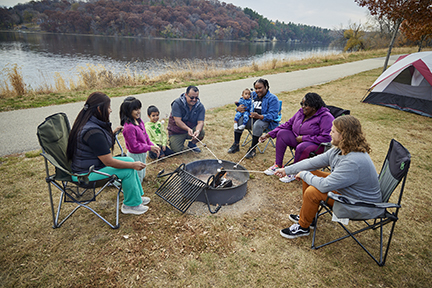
[419,30]
[398,11]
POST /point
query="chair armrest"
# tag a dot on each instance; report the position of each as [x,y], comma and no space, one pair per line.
[327,145]
[352,201]
[82,178]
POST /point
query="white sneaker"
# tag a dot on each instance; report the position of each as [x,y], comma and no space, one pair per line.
[287,179]
[145,200]
[136,210]
[271,170]
[242,127]
[235,126]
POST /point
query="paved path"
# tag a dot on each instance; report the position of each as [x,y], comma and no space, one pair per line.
[18,128]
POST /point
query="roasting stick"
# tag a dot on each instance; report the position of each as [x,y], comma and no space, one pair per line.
[219,161]
[169,156]
[235,166]
[244,171]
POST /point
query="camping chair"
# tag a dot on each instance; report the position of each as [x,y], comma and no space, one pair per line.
[394,170]
[269,140]
[53,136]
[336,112]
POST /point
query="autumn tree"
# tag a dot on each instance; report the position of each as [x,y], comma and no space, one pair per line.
[419,31]
[397,11]
[354,35]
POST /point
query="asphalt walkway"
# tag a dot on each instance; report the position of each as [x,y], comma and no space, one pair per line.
[18,128]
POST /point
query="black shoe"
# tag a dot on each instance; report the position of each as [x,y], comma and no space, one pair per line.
[295,218]
[234,148]
[294,231]
[250,154]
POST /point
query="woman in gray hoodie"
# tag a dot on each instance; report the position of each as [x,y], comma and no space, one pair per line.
[352,174]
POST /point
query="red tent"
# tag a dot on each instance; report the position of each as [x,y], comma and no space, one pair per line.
[406,85]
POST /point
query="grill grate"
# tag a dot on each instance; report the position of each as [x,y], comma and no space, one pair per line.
[180,189]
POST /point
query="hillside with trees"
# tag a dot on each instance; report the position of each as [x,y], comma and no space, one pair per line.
[192,19]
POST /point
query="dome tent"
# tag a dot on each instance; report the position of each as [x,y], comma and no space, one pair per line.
[406,85]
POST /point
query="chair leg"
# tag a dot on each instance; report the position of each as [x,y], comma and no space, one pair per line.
[56,215]
[380,224]
[291,159]
[246,141]
[270,141]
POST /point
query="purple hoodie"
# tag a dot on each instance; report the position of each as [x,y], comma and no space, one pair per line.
[136,138]
[315,129]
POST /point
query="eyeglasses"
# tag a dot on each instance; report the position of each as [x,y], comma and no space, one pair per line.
[193,98]
[303,104]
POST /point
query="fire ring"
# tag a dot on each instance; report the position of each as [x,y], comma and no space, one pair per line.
[203,169]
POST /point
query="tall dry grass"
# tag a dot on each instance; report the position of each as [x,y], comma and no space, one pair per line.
[14,85]
[97,76]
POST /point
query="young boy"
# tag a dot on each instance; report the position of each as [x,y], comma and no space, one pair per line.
[246,101]
[157,133]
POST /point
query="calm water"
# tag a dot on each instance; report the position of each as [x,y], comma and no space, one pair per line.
[41,55]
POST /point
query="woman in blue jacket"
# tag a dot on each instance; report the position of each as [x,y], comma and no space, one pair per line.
[266,109]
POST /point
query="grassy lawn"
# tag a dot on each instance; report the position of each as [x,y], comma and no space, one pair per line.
[164,248]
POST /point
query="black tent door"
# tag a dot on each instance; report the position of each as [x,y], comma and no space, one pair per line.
[404,103]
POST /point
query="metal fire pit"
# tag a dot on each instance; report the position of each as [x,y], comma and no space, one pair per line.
[183,186]
[221,196]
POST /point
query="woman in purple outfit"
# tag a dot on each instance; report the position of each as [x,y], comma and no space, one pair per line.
[309,127]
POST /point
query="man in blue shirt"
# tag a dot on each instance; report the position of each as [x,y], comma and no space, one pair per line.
[186,120]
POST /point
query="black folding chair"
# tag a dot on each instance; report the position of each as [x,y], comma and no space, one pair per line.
[53,136]
[394,170]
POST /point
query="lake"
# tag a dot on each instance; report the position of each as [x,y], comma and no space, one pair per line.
[41,55]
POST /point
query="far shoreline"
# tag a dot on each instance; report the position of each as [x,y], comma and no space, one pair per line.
[29,30]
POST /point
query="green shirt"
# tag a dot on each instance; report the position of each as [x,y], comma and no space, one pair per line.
[156,132]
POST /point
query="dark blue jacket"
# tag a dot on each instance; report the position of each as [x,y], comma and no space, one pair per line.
[269,108]
[84,157]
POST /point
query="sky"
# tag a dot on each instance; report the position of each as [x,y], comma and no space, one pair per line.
[330,14]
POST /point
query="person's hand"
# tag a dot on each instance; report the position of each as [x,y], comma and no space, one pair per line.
[190,132]
[263,137]
[138,165]
[241,108]
[297,177]
[255,115]
[156,149]
[280,172]
[196,134]
[299,139]
[163,148]
[117,129]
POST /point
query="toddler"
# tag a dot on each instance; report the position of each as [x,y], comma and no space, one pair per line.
[246,101]
[137,141]
[157,133]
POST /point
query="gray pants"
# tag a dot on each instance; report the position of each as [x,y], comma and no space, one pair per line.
[176,141]
[139,157]
[259,126]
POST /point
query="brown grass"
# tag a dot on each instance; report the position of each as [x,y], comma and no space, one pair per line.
[164,248]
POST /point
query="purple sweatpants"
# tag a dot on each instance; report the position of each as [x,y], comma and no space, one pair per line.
[285,138]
